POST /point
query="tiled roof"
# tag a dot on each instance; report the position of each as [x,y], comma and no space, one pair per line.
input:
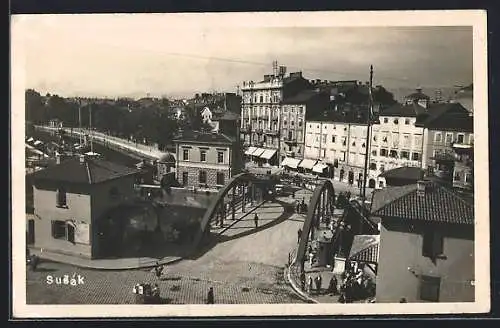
[90,172]
[205,138]
[439,204]
[405,172]
[452,122]
[302,97]
[401,110]
[365,248]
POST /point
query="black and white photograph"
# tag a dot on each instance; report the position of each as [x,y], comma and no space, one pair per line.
[229,164]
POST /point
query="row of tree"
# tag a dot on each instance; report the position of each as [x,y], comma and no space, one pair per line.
[153,121]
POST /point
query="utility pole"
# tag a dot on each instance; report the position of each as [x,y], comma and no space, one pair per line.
[80,121]
[367,146]
[91,133]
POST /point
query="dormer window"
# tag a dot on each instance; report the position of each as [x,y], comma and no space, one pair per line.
[407,121]
[386,120]
[396,121]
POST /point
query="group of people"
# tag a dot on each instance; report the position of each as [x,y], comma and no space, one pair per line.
[315,285]
[301,207]
[355,285]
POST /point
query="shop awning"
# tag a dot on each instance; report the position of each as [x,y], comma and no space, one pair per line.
[250,150]
[268,153]
[258,152]
[307,164]
[319,168]
[290,162]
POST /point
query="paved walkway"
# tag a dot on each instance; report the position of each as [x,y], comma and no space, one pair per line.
[244,267]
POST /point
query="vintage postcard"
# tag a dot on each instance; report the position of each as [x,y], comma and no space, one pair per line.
[250,164]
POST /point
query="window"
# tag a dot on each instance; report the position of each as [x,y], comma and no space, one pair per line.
[429,288]
[393,154]
[354,143]
[386,120]
[406,140]
[220,157]
[185,178]
[363,145]
[405,155]
[407,121]
[382,168]
[415,156]
[324,138]
[344,141]
[375,138]
[284,122]
[456,177]
[203,155]
[460,138]
[396,121]
[261,99]
[202,177]
[333,139]
[383,152]
[432,245]
[449,137]
[59,229]
[373,166]
[61,198]
[220,178]
[185,154]
[292,123]
[374,152]
[300,124]
[342,156]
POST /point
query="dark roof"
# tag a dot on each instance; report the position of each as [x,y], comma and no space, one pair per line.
[439,204]
[339,117]
[301,98]
[417,95]
[405,172]
[204,137]
[365,248]
[90,172]
[226,116]
[401,110]
[452,122]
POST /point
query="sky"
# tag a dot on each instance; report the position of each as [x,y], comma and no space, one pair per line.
[165,55]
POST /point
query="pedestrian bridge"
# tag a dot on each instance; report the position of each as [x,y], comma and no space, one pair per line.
[243,190]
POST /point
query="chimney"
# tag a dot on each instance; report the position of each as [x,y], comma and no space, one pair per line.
[423,187]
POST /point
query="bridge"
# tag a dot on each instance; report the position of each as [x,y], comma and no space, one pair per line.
[144,151]
[243,190]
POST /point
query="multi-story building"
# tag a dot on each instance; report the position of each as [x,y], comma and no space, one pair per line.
[261,109]
[72,199]
[206,160]
[447,125]
[338,139]
[432,229]
[294,113]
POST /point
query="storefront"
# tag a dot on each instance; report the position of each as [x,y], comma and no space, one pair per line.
[321,169]
[268,156]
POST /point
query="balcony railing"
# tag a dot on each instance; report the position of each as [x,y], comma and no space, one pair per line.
[272,132]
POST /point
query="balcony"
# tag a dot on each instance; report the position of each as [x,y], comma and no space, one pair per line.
[272,132]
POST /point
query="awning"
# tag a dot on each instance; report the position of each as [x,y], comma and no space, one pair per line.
[250,150]
[307,164]
[319,168]
[290,162]
[268,153]
[258,152]
[37,142]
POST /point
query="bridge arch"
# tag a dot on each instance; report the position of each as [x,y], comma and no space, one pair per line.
[243,188]
[322,204]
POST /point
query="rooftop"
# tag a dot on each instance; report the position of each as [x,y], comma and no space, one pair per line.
[401,110]
[404,173]
[302,97]
[226,116]
[204,137]
[92,171]
[440,203]
[340,117]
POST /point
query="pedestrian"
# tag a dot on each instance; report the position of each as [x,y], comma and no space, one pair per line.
[318,283]
[256,220]
[311,258]
[158,270]
[310,285]
[299,234]
[297,207]
[332,287]
[210,296]
[303,280]
[34,262]
[156,293]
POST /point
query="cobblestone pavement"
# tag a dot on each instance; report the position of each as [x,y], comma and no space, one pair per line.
[245,267]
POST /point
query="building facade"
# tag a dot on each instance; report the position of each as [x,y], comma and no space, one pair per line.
[206,160]
[71,198]
[434,261]
[261,108]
